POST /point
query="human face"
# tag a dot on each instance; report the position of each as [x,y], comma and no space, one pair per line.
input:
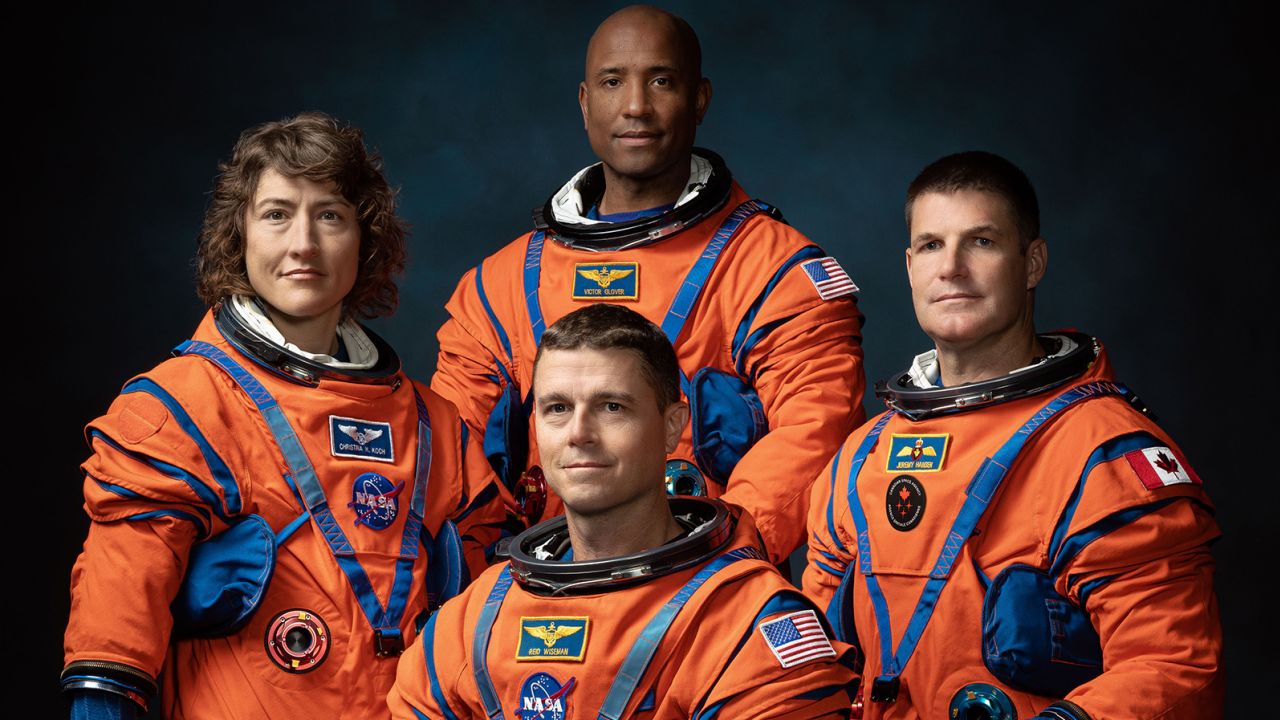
[602,439]
[302,248]
[970,279]
[641,100]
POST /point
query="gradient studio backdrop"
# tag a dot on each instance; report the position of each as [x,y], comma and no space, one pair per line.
[1138,127]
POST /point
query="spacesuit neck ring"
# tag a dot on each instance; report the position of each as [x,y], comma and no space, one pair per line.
[709,527]
[1055,370]
[295,367]
[604,236]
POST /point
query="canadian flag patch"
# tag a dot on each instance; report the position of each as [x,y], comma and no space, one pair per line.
[1158,467]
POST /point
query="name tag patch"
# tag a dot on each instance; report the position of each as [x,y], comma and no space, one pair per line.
[364,439]
[553,638]
[606,281]
[917,453]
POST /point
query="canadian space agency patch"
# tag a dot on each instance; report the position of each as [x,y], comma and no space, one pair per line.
[917,453]
[542,697]
[364,439]
[606,281]
[905,502]
[552,638]
[375,500]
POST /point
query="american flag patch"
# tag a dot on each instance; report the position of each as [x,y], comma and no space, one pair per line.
[830,280]
[797,638]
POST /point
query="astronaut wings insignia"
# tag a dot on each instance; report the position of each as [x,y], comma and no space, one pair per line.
[917,453]
[606,281]
[364,437]
[552,638]
[549,634]
[604,275]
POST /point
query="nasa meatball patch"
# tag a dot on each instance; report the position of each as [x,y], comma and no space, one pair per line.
[375,500]
[364,439]
[905,502]
[542,697]
[1158,467]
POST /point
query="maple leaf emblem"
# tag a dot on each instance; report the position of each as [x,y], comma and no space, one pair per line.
[1166,463]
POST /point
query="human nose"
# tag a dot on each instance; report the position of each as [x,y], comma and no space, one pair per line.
[951,262]
[636,102]
[304,238]
[581,429]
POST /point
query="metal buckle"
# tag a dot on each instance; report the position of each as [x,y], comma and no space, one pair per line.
[387,642]
[885,689]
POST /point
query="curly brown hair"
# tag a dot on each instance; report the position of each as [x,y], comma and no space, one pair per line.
[319,148]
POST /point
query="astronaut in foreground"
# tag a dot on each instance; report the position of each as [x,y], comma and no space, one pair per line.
[271,507]
[1038,545]
[764,322]
[632,604]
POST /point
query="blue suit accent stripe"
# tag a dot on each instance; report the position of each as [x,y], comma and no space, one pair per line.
[488,309]
[642,652]
[203,491]
[428,640]
[1078,542]
[1106,452]
[682,304]
[739,348]
[480,644]
[981,490]
[531,278]
[831,505]
[217,468]
[385,620]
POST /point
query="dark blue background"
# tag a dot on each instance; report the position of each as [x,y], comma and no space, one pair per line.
[1145,130]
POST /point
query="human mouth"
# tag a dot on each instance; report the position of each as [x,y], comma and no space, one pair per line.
[955,297]
[636,138]
[303,274]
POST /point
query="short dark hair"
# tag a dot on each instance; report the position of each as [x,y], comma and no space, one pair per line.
[986,172]
[317,147]
[607,327]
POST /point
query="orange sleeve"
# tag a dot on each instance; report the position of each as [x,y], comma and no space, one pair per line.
[830,549]
[467,372]
[1145,576]
[432,668]
[807,370]
[150,492]
[756,684]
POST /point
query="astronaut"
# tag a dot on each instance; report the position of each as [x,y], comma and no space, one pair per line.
[764,322]
[633,603]
[1014,536]
[272,507]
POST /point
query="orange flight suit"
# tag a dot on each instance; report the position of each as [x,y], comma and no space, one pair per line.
[1132,551]
[181,453]
[802,353]
[713,660]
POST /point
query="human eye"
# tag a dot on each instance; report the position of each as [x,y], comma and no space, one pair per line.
[611,82]
[557,408]
[662,81]
[930,245]
[330,216]
[274,215]
[983,242]
[613,407]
